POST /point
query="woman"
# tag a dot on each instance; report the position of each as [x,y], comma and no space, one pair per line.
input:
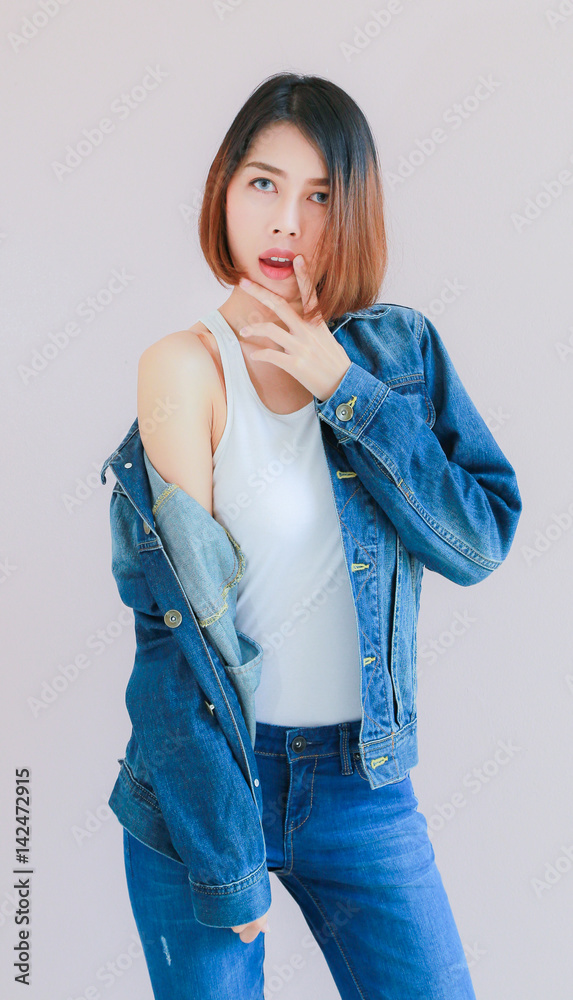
[292,218]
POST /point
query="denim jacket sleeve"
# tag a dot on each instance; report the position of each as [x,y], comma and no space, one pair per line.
[439,475]
[196,782]
[209,563]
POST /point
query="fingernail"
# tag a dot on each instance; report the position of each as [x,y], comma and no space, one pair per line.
[245,331]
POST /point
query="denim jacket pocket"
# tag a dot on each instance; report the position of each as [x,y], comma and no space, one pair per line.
[413,388]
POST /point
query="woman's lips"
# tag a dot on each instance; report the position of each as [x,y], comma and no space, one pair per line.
[275,269]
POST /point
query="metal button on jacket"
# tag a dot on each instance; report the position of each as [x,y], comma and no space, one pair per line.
[298,744]
[344,411]
[173,618]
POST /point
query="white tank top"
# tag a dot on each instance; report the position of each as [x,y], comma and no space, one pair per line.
[272,492]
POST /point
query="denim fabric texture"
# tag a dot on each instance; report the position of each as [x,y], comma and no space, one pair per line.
[359,864]
[209,566]
[418,480]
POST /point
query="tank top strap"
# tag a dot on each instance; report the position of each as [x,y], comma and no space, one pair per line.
[226,340]
[232,359]
[236,372]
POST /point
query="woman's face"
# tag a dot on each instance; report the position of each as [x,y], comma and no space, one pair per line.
[276,206]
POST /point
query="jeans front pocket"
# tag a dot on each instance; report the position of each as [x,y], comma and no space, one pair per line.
[359,766]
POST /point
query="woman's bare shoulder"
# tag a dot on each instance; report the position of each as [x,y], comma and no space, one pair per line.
[188,354]
[182,343]
[175,381]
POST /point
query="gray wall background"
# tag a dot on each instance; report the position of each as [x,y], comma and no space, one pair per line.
[479,217]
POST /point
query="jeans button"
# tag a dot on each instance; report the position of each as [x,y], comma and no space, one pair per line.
[344,411]
[298,744]
[173,618]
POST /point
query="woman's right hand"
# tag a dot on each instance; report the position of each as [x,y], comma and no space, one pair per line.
[248,932]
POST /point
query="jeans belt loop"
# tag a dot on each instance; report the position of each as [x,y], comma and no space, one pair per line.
[346,765]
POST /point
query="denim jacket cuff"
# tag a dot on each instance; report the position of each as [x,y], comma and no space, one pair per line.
[237,903]
[357,388]
[445,484]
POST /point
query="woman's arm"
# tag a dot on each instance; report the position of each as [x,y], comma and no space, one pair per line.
[175,387]
[440,477]
[214,825]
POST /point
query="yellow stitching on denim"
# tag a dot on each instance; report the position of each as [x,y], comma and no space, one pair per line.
[368,659]
[163,496]
[241,568]
[213,618]
[209,621]
[345,475]
[356,566]
[378,760]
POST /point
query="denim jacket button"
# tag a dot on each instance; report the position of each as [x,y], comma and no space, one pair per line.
[173,618]
[146,527]
[210,706]
[344,411]
[298,744]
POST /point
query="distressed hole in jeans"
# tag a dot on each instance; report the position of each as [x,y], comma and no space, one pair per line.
[166,950]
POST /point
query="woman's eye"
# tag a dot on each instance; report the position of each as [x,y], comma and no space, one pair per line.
[265,180]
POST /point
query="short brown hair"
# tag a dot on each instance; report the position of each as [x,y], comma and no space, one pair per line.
[353,235]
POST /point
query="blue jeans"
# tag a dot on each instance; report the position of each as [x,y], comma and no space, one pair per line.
[357,860]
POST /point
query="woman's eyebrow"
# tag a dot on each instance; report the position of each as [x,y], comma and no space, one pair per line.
[321,181]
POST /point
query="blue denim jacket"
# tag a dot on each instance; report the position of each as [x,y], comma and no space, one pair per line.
[418,481]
